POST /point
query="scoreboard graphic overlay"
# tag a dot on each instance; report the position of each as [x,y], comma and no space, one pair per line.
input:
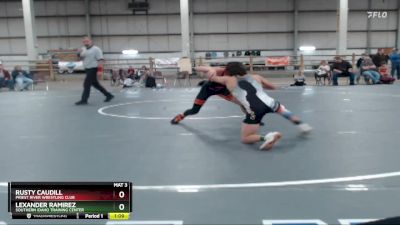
[70,200]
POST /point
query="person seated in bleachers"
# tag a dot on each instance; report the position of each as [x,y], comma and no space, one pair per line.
[369,71]
[5,78]
[342,68]
[21,78]
[323,71]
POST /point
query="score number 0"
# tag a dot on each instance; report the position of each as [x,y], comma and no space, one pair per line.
[121,206]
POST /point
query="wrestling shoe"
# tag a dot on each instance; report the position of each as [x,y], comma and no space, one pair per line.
[305,128]
[108,98]
[81,103]
[270,140]
[177,119]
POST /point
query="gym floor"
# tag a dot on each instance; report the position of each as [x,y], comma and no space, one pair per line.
[348,167]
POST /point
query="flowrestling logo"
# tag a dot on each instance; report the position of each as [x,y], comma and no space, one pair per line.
[377,14]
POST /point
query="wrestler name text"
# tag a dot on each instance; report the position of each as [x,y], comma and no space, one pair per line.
[38,192]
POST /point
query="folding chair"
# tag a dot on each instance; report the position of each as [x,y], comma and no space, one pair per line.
[182,76]
[39,78]
[158,76]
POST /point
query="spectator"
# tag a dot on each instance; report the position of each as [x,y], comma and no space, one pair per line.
[380,58]
[130,78]
[21,78]
[143,73]
[359,61]
[5,78]
[115,78]
[341,69]
[128,82]
[385,77]
[323,71]
[299,79]
[131,72]
[384,69]
[369,71]
[122,74]
[395,59]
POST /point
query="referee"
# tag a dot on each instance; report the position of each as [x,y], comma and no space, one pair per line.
[93,63]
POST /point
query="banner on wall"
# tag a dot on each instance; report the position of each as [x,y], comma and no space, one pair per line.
[277,61]
[166,63]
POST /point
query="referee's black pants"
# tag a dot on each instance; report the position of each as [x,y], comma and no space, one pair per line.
[91,79]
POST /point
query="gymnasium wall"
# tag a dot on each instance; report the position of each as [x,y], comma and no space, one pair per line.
[218,25]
